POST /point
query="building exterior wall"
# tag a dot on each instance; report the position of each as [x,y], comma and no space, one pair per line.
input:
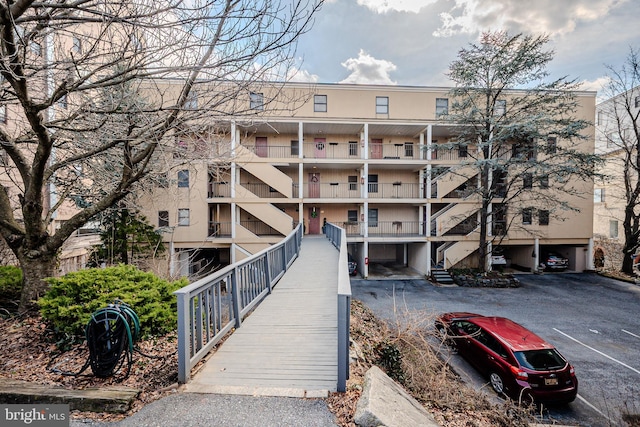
[361,169]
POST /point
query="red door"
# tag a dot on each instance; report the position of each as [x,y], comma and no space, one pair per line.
[321,148]
[314,220]
[376,148]
[314,185]
[261,146]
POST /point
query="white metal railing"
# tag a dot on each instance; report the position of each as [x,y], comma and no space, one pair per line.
[338,237]
[211,307]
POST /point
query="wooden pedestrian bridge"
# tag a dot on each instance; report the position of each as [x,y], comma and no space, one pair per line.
[284,317]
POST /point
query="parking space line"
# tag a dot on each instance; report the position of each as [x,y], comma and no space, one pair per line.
[598,351]
[593,407]
[630,333]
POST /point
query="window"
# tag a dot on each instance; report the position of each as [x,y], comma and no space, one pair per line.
[77,45]
[523,151]
[614,140]
[543,217]
[162,181]
[62,102]
[353,148]
[463,151]
[544,181]
[500,108]
[442,106]
[191,103]
[552,144]
[36,48]
[320,103]
[183,179]
[613,228]
[382,105]
[408,149]
[183,217]
[527,216]
[373,217]
[373,183]
[3,114]
[527,180]
[295,148]
[637,101]
[163,218]
[353,182]
[256,101]
[598,195]
[352,215]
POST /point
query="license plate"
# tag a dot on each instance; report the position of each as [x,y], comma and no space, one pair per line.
[550,381]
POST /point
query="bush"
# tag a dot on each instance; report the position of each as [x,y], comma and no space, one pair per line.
[10,286]
[71,299]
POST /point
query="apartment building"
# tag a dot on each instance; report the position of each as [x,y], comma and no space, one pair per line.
[368,158]
[615,141]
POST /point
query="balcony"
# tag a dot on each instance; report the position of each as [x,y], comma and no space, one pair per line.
[219,229]
[394,190]
[385,228]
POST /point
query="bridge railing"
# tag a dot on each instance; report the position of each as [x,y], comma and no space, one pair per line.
[211,307]
[338,237]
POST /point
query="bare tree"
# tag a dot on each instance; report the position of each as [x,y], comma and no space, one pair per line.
[93,92]
[520,134]
[619,130]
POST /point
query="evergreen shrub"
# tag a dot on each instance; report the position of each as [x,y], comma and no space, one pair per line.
[71,299]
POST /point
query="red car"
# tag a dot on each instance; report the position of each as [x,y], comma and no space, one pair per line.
[518,363]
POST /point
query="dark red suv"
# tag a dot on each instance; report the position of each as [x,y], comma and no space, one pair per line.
[518,363]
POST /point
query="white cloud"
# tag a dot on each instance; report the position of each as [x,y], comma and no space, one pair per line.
[366,69]
[544,16]
[382,6]
[301,76]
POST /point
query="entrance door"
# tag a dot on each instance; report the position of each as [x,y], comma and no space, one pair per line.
[376,148]
[314,220]
[321,148]
[261,146]
[314,185]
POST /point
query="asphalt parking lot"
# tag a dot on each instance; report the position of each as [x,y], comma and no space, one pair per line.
[594,321]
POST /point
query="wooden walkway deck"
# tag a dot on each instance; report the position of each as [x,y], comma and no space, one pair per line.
[288,345]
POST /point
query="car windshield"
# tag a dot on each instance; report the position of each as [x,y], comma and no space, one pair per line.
[540,360]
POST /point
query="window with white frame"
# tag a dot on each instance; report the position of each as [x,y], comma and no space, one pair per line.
[3,113]
[637,101]
[373,183]
[183,217]
[256,101]
[442,106]
[500,108]
[77,45]
[295,147]
[527,180]
[598,195]
[408,149]
[191,103]
[352,215]
[373,217]
[613,228]
[353,182]
[320,103]
[183,178]
[382,105]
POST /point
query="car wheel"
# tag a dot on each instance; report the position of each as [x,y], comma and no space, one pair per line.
[496,383]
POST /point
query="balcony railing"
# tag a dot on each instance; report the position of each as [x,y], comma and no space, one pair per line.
[259,228]
[384,228]
[219,189]
[279,151]
[339,150]
[377,190]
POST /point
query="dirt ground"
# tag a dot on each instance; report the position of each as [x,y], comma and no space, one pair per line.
[28,352]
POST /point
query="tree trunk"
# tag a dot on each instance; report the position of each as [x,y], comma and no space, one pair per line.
[34,270]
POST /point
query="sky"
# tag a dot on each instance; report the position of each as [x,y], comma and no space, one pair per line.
[412,42]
